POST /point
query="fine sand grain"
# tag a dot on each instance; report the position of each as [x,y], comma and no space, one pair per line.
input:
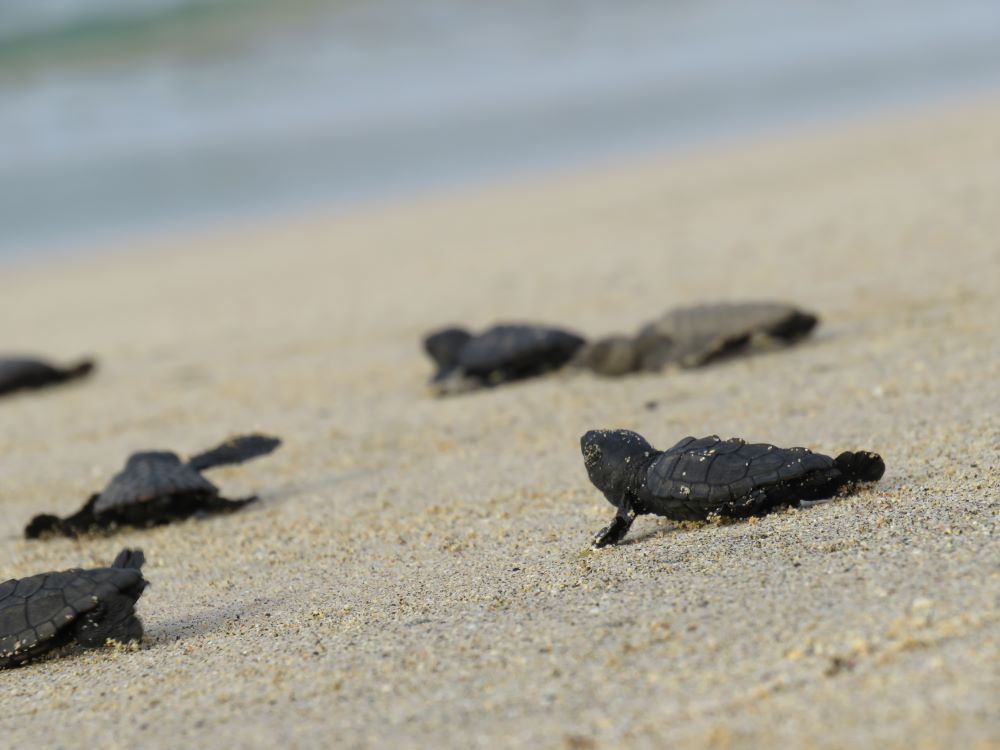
[417,573]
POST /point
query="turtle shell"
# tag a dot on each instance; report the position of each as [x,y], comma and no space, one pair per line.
[37,613]
[148,476]
[691,336]
[705,475]
[517,349]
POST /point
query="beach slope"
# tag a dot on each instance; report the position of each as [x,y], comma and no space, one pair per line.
[417,572]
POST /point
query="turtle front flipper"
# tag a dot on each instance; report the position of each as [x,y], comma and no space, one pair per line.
[454,382]
[615,531]
[45,524]
[234,451]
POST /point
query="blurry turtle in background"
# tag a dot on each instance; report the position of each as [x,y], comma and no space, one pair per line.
[26,373]
[154,488]
[695,336]
[500,354]
[48,610]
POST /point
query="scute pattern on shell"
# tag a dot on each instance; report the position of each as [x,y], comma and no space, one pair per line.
[151,475]
[34,610]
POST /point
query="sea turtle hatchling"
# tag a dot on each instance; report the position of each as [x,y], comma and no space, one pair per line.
[155,487]
[24,373]
[700,477]
[498,355]
[49,610]
[695,336]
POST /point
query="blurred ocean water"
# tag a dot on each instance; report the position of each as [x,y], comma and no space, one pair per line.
[122,117]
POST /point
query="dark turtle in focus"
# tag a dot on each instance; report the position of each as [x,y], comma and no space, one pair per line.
[695,336]
[155,487]
[25,373]
[46,611]
[698,478]
[498,355]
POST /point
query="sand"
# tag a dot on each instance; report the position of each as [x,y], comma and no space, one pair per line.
[417,572]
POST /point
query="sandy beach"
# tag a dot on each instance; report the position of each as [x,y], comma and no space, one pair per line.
[417,572]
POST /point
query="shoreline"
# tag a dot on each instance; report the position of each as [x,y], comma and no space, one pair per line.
[764,133]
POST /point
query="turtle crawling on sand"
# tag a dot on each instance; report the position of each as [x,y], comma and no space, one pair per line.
[46,611]
[694,336]
[155,487]
[24,373]
[498,355]
[700,477]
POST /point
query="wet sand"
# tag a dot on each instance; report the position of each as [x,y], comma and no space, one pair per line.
[416,573]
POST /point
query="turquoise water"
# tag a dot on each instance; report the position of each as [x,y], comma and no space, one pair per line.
[121,118]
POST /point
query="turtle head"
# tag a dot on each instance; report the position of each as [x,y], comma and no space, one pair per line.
[42,525]
[445,347]
[612,458]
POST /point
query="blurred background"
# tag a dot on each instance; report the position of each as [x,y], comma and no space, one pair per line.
[125,118]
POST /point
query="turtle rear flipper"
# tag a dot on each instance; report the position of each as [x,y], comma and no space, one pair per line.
[861,466]
[113,618]
[234,451]
[129,559]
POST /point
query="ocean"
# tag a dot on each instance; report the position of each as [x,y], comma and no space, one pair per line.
[125,118]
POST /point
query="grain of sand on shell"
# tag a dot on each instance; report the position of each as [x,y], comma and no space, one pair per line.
[417,573]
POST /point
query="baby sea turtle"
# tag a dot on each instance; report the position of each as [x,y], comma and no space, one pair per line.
[498,355]
[23,373]
[694,336]
[156,488]
[46,611]
[698,478]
